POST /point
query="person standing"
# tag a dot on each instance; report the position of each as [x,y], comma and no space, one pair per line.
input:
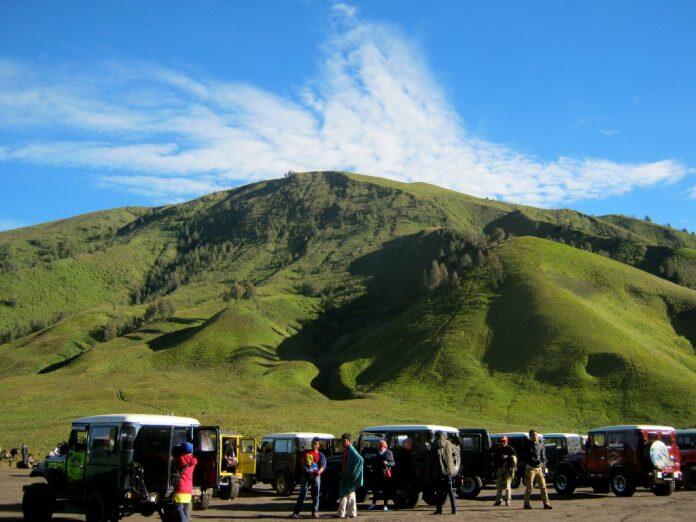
[313,464]
[535,462]
[351,478]
[182,481]
[25,454]
[445,466]
[505,463]
[382,464]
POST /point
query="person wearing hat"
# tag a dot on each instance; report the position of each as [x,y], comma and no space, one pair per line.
[504,463]
[351,478]
[182,481]
[312,465]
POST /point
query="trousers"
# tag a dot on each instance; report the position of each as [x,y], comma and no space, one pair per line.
[531,474]
[347,506]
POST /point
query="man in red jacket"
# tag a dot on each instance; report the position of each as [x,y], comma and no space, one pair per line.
[184,464]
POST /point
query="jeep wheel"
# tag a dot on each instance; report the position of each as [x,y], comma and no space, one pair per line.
[97,509]
[282,484]
[203,500]
[663,490]
[470,487]
[689,478]
[622,484]
[38,503]
[247,482]
[406,497]
[565,482]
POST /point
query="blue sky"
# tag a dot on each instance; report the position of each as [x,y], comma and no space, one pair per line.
[589,105]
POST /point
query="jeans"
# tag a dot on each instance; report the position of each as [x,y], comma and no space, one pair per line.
[446,484]
[182,512]
[348,506]
[314,485]
[530,474]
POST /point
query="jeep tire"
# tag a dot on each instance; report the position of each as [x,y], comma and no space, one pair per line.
[406,497]
[38,503]
[689,477]
[203,500]
[282,484]
[664,489]
[470,487]
[98,509]
[247,482]
[622,483]
[565,482]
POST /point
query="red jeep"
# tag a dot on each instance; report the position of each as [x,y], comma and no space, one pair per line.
[622,458]
[686,439]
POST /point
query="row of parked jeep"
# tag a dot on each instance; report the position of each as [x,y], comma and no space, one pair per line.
[117,465]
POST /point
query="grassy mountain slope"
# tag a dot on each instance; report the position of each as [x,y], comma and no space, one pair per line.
[348,310]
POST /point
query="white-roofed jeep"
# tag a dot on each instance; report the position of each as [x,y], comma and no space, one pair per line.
[117,465]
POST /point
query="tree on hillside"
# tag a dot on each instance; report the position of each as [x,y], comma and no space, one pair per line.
[161,309]
[235,291]
[498,234]
[647,218]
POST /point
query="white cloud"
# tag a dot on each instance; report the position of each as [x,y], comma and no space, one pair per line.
[692,192]
[373,108]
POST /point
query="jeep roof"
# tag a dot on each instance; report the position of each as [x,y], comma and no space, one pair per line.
[687,431]
[298,435]
[514,434]
[148,420]
[632,427]
[561,435]
[412,427]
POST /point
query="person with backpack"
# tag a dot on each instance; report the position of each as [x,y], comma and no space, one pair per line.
[351,478]
[445,465]
[504,463]
[182,481]
[381,465]
[312,465]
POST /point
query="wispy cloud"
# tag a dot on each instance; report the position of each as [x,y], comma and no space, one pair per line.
[374,107]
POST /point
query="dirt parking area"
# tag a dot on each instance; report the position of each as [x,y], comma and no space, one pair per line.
[262,503]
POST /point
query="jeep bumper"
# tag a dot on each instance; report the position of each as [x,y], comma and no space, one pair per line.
[660,477]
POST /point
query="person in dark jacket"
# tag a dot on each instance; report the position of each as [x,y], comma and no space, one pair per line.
[313,464]
[382,465]
[535,462]
[504,463]
[444,466]
[184,464]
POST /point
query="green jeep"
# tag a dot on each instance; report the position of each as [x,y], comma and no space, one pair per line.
[117,465]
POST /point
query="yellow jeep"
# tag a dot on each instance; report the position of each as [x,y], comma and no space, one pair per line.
[237,464]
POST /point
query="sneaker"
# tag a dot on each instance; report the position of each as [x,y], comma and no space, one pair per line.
[548,506]
[385,508]
[497,503]
[316,515]
[527,506]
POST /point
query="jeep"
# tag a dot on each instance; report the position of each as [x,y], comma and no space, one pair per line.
[622,458]
[410,445]
[117,465]
[277,462]
[476,469]
[237,464]
[686,440]
[558,445]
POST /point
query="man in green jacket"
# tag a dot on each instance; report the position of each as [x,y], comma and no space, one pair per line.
[351,478]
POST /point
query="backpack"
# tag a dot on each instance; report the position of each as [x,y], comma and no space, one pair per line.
[178,474]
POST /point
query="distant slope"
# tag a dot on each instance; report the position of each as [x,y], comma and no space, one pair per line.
[370,299]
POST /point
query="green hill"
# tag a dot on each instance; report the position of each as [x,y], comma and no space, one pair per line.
[358,299]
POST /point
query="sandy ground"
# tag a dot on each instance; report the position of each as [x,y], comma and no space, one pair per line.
[263,504]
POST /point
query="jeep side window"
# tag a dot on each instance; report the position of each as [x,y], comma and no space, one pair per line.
[102,440]
[78,439]
[617,439]
[666,438]
[686,441]
[597,440]
[470,442]
[267,446]
[127,437]
[283,446]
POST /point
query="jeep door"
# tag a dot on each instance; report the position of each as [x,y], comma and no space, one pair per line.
[205,448]
[284,452]
[475,460]
[76,458]
[247,457]
[103,459]
[264,466]
[597,454]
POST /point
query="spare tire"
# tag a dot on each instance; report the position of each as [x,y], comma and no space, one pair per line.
[659,455]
